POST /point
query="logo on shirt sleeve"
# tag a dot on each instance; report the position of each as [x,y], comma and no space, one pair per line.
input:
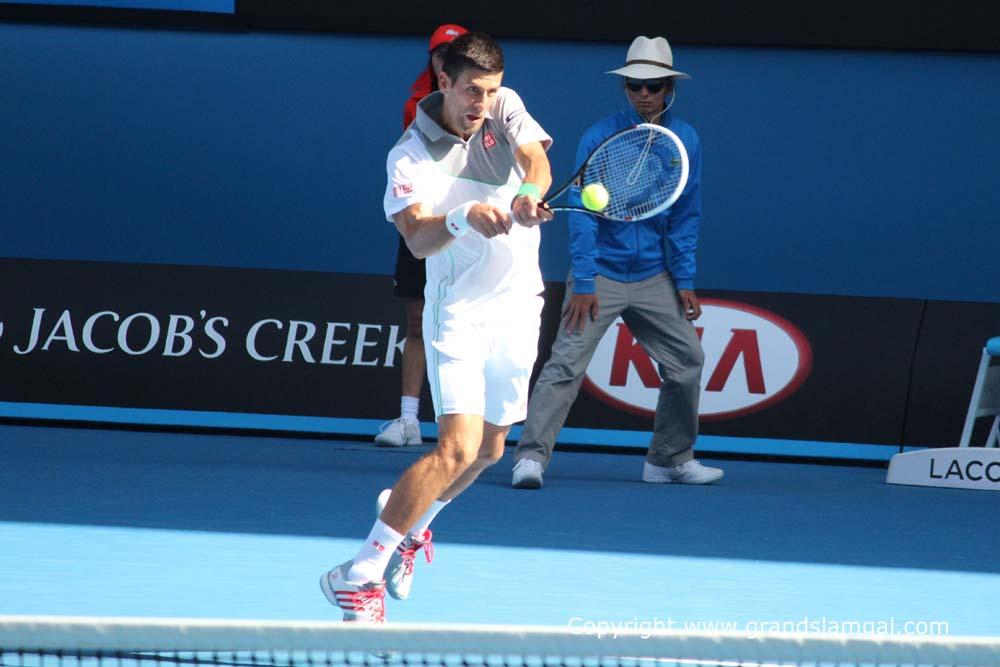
[512,115]
[402,189]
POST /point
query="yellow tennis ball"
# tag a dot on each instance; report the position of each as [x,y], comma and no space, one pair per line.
[595,197]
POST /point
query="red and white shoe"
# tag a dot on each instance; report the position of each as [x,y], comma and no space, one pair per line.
[399,571]
[361,603]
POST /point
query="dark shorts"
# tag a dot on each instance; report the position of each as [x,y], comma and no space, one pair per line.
[411,274]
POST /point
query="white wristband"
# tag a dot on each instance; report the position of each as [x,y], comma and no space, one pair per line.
[456,221]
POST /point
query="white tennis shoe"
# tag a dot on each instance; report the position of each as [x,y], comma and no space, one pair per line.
[691,472]
[527,474]
[361,603]
[399,433]
[399,571]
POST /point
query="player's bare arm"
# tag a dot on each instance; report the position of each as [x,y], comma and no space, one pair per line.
[532,159]
[426,234]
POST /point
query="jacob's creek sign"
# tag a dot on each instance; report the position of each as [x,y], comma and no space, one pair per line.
[753,359]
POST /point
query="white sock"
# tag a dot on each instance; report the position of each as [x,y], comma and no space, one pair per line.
[408,408]
[424,522]
[369,564]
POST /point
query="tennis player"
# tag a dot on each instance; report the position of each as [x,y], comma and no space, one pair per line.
[465,185]
[411,275]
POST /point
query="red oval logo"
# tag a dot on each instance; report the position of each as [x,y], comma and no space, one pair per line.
[753,359]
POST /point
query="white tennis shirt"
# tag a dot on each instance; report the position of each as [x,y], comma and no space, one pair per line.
[432,166]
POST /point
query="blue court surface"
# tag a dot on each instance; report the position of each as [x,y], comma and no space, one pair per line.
[114,522]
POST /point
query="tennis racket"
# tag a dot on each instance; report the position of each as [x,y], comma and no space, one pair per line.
[643,168]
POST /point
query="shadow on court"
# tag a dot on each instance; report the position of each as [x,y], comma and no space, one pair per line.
[760,511]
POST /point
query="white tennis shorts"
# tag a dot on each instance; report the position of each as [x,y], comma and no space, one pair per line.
[480,362]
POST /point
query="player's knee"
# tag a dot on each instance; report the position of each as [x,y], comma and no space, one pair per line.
[455,459]
[460,460]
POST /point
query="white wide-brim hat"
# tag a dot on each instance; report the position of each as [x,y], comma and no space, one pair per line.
[649,59]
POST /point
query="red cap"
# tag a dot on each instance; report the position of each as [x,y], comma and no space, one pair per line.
[444,34]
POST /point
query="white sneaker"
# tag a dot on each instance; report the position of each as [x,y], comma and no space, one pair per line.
[399,433]
[364,603]
[527,474]
[399,571]
[691,472]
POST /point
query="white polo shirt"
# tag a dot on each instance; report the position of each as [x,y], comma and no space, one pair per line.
[433,166]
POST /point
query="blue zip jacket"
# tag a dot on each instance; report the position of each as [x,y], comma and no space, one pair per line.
[632,251]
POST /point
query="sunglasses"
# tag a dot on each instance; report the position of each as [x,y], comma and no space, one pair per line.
[652,85]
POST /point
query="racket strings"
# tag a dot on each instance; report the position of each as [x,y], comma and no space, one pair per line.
[640,170]
[633,177]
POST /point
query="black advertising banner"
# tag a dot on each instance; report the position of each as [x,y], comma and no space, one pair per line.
[321,345]
[199,338]
[964,25]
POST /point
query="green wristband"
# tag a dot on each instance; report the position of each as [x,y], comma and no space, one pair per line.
[529,189]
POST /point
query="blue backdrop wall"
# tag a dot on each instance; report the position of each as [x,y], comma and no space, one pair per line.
[828,172]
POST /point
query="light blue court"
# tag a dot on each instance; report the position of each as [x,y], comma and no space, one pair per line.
[105,522]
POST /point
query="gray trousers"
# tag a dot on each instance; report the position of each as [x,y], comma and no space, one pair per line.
[653,312]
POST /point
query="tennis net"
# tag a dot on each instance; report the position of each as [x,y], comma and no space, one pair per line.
[36,641]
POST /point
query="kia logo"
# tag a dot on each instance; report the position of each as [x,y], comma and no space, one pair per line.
[753,359]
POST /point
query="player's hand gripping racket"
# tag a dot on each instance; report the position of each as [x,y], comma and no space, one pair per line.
[641,170]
